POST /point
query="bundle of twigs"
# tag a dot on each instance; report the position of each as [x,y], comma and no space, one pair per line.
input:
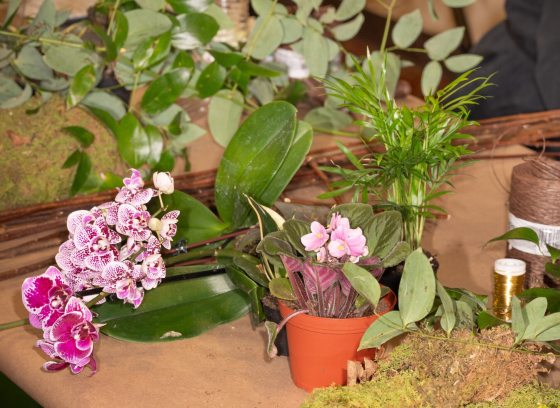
[30,236]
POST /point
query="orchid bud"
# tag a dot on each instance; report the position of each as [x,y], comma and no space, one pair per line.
[155,224]
[164,182]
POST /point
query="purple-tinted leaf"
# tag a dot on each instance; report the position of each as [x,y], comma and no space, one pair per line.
[318,277]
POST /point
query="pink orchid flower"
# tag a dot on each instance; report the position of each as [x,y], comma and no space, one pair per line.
[121,278]
[316,239]
[45,297]
[70,339]
[168,228]
[133,222]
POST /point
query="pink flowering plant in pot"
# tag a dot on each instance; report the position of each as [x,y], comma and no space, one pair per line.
[113,249]
[331,270]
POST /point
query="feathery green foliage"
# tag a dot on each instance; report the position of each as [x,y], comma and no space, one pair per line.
[422,145]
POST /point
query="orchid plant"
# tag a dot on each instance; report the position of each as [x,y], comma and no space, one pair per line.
[114,248]
[332,271]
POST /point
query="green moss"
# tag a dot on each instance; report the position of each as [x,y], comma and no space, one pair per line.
[384,391]
[434,372]
[33,149]
[529,396]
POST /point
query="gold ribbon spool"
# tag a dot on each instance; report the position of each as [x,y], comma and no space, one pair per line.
[509,276]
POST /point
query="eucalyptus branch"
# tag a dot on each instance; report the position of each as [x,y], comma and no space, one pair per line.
[46,40]
[253,40]
[387,25]
[112,19]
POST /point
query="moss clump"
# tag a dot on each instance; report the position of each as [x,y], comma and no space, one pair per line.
[438,373]
[371,394]
[33,148]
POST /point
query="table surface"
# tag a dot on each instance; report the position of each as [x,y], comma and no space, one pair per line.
[227,367]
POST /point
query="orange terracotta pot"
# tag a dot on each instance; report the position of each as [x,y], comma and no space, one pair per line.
[320,347]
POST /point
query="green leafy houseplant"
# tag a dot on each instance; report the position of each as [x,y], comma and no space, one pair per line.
[421,145]
[331,271]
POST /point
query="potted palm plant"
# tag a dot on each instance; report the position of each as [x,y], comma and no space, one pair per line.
[330,293]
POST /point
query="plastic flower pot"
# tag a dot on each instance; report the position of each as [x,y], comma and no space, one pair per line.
[320,347]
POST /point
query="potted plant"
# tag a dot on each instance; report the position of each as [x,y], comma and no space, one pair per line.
[330,294]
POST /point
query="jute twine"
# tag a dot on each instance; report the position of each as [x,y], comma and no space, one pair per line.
[535,197]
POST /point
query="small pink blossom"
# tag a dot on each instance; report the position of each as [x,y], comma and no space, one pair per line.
[45,297]
[121,278]
[134,182]
[133,222]
[168,228]
[316,239]
[164,182]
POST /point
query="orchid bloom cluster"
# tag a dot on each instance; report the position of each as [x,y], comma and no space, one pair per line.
[115,246]
[336,243]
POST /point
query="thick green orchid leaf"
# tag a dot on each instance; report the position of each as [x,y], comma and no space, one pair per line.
[252,160]
[196,222]
[175,310]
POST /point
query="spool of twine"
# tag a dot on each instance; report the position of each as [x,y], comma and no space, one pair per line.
[535,197]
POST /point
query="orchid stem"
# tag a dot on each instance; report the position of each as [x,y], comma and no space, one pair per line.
[96,299]
[17,323]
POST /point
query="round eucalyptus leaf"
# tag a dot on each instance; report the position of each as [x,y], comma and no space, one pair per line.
[8,89]
[165,90]
[194,30]
[292,29]
[407,29]
[441,45]
[458,3]
[431,77]
[143,24]
[133,143]
[315,52]
[81,84]
[265,38]
[106,101]
[262,7]
[329,16]
[17,100]
[347,31]
[224,114]
[349,8]
[190,6]
[463,62]
[211,80]
[69,60]
[151,4]
[30,62]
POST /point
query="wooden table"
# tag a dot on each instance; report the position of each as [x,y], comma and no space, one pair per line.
[227,367]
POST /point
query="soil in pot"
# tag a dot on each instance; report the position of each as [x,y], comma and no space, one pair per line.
[320,347]
[272,313]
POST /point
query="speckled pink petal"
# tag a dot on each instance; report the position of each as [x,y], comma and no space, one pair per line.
[47,348]
[61,329]
[75,220]
[77,305]
[35,292]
